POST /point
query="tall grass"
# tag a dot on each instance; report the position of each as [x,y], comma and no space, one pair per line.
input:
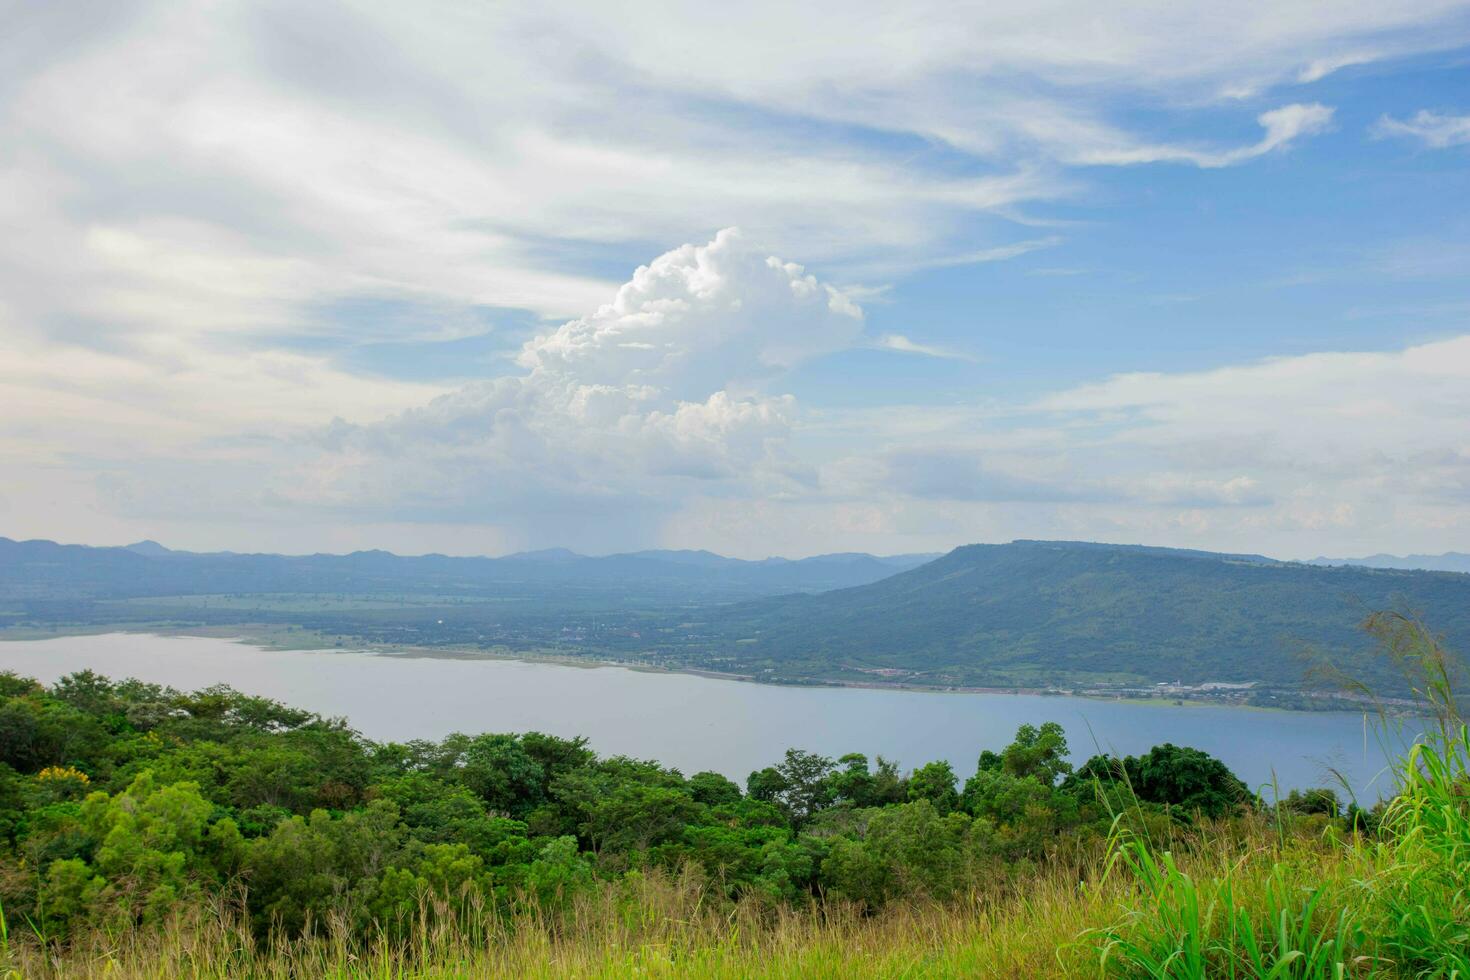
[1394,905]
[1255,897]
[659,926]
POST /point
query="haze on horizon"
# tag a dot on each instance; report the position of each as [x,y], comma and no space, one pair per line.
[894,279]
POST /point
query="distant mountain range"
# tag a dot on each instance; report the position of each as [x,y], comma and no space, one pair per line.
[1450,561]
[1024,614]
[47,570]
[1033,613]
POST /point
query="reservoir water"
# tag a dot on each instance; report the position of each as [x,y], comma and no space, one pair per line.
[732,727]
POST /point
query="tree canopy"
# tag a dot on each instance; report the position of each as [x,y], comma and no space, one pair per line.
[126,798]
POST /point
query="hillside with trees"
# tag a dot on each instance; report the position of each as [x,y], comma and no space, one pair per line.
[1041,613]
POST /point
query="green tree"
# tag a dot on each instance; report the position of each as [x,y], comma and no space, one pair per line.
[36,731]
[558,873]
[309,866]
[1171,775]
[1323,801]
[935,782]
[713,789]
[155,844]
[1038,752]
[444,877]
[70,895]
[89,692]
[502,772]
[766,785]
[635,817]
[800,785]
[854,783]
[273,775]
[910,849]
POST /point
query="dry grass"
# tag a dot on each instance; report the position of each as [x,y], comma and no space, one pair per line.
[661,926]
[655,927]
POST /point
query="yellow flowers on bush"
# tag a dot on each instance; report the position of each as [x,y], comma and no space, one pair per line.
[58,774]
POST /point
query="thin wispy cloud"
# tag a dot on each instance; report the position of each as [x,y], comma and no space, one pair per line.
[898,342]
[1433,129]
[1283,127]
[1322,67]
[998,253]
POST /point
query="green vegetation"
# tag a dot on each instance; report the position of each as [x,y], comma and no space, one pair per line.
[120,799]
[1030,614]
[1049,613]
[155,833]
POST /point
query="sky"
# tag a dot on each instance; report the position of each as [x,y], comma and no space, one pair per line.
[768,279]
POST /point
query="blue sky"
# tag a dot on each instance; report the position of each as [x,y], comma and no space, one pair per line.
[366,278]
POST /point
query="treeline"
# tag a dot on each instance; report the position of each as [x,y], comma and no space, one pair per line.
[119,800]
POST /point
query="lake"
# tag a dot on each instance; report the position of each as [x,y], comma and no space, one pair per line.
[697,723]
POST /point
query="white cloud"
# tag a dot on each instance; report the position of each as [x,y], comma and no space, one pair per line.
[701,317]
[1433,129]
[1310,431]
[1341,405]
[194,182]
[1283,126]
[1320,68]
[996,253]
[898,342]
[659,417]
[1292,456]
[623,409]
[213,167]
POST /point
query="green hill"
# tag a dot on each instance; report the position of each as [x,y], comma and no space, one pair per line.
[1034,613]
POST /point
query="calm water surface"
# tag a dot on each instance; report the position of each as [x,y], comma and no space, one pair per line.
[699,723]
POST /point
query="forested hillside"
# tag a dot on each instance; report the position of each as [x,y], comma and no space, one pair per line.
[1036,613]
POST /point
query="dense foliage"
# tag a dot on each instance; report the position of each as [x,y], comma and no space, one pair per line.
[117,800]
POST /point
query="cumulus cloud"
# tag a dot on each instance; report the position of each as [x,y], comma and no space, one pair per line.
[206,168]
[700,317]
[197,182]
[661,416]
[1433,129]
[664,385]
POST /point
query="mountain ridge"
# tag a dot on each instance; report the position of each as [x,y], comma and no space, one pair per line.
[40,568]
[1035,614]
[1449,561]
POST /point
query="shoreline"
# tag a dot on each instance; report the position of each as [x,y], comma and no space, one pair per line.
[290,639]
